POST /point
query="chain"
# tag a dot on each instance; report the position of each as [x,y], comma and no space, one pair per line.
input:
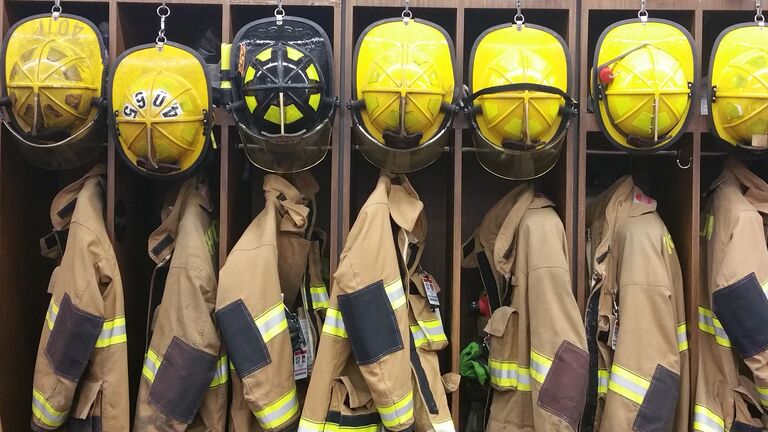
[56,9]
[407,14]
[519,18]
[642,14]
[759,18]
[279,12]
[162,11]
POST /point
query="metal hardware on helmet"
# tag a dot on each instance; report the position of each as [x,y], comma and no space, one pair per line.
[56,9]
[519,18]
[279,12]
[163,11]
[407,14]
[642,13]
[759,18]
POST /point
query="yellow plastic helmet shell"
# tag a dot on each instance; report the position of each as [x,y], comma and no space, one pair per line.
[160,100]
[404,78]
[53,77]
[739,90]
[643,80]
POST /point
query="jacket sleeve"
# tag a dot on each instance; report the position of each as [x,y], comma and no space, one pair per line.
[559,361]
[645,378]
[740,307]
[254,328]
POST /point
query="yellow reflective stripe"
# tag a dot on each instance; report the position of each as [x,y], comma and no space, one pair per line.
[628,384]
[705,420]
[307,425]
[319,294]
[112,333]
[151,364]
[272,322]
[709,224]
[279,412]
[682,337]
[400,412]
[395,293]
[221,376]
[509,375]
[602,381]
[334,324]
[709,324]
[419,338]
[540,365]
[44,411]
[668,241]
[50,316]
[433,330]
[444,426]
[763,393]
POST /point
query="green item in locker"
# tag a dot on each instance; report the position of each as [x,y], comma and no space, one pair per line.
[470,364]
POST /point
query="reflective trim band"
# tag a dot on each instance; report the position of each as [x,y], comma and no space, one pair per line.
[540,365]
[705,420]
[306,425]
[602,381]
[419,338]
[320,298]
[628,384]
[709,224]
[444,426]
[272,322]
[509,375]
[221,376]
[334,324]
[763,393]
[151,364]
[395,293]
[709,324]
[44,412]
[50,316]
[112,333]
[400,412]
[277,413]
[682,337]
[433,330]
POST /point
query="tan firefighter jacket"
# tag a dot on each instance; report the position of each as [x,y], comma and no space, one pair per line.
[376,364]
[183,384]
[81,372]
[635,317]
[538,358]
[733,310]
[263,275]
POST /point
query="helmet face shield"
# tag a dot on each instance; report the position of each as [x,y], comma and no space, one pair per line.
[643,82]
[738,99]
[53,78]
[519,109]
[281,93]
[405,93]
[160,105]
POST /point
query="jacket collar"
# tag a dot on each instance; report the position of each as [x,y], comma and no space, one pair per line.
[63,205]
[754,188]
[289,201]
[163,240]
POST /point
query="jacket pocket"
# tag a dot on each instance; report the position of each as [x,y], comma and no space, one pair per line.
[564,390]
[428,332]
[182,380]
[657,412]
[370,323]
[245,344]
[742,308]
[506,372]
[351,407]
[74,333]
[86,415]
[747,410]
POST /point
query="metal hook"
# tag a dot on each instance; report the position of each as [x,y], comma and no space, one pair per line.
[519,18]
[279,12]
[56,9]
[407,14]
[677,159]
[642,14]
[163,11]
[759,18]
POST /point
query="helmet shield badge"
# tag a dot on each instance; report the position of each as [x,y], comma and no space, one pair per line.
[404,93]
[643,82]
[160,109]
[53,85]
[518,107]
[281,93]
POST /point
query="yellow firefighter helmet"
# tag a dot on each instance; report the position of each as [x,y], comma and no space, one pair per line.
[643,82]
[160,104]
[53,89]
[738,100]
[519,106]
[405,93]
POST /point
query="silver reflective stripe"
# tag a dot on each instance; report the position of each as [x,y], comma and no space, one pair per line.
[395,293]
[44,412]
[627,384]
[273,416]
[702,422]
[397,413]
